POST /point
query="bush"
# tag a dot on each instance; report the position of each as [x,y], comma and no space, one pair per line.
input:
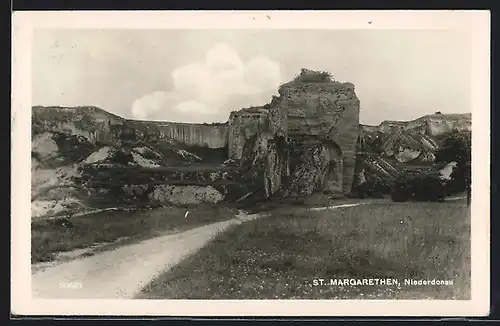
[459,179]
[401,189]
[373,187]
[456,147]
[314,77]
[419,187]
[428,187]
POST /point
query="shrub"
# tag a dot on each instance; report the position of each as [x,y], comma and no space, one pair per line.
[428,187]
[420,187]
[456,147]
[314,77]
[459,180]
[373,187]
[401,189]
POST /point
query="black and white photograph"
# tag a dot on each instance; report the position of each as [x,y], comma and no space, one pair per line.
[277,163]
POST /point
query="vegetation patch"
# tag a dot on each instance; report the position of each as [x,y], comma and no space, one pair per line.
[419,187]
[50,236]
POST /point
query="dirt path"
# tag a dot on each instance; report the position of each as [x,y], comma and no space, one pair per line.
[123,272]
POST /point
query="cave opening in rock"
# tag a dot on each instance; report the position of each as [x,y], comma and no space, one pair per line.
[332,178]
[330,181]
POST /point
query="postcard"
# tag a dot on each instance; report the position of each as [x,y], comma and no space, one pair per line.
[251,163]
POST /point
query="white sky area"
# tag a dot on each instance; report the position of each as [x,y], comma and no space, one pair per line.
[200,76]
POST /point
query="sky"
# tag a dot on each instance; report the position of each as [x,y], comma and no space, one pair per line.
[202,75]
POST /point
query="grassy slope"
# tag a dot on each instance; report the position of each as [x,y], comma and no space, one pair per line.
[278,257]
[51,236]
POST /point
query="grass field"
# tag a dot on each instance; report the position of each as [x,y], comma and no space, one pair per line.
[49,237]
[278,257]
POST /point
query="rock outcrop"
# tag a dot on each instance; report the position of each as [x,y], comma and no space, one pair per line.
[328,111]
[258,139]
[316,166]
[243,125]
[411,141]
[304,141]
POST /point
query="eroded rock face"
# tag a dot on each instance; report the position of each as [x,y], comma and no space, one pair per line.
[265,164]
[316,167]
[243,125]
[267,121]
[328,111]
[304,141]
[204,135]
[92,123]
[258,139]
[438,125]
[100,126]
[414,140]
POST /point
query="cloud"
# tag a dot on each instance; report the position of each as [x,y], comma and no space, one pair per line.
[210,89]
[153,103]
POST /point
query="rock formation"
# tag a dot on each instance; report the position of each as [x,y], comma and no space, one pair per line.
[324,118]
[257,138]
[414,140]
[99,126]
[304,140]
[204,135]
[92,123]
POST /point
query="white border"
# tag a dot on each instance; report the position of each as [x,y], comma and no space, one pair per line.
[474,23]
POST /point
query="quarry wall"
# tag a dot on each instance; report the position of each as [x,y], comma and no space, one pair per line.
[98,125]
[243,125]
[258,139]
[328,111]
[430,125]
[95,124]
[205,135]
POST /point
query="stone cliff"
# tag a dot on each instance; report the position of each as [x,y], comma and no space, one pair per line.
[92,123]
[204,135]
[305,139]
[99,126]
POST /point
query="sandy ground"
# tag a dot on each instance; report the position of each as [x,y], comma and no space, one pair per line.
[123,272]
